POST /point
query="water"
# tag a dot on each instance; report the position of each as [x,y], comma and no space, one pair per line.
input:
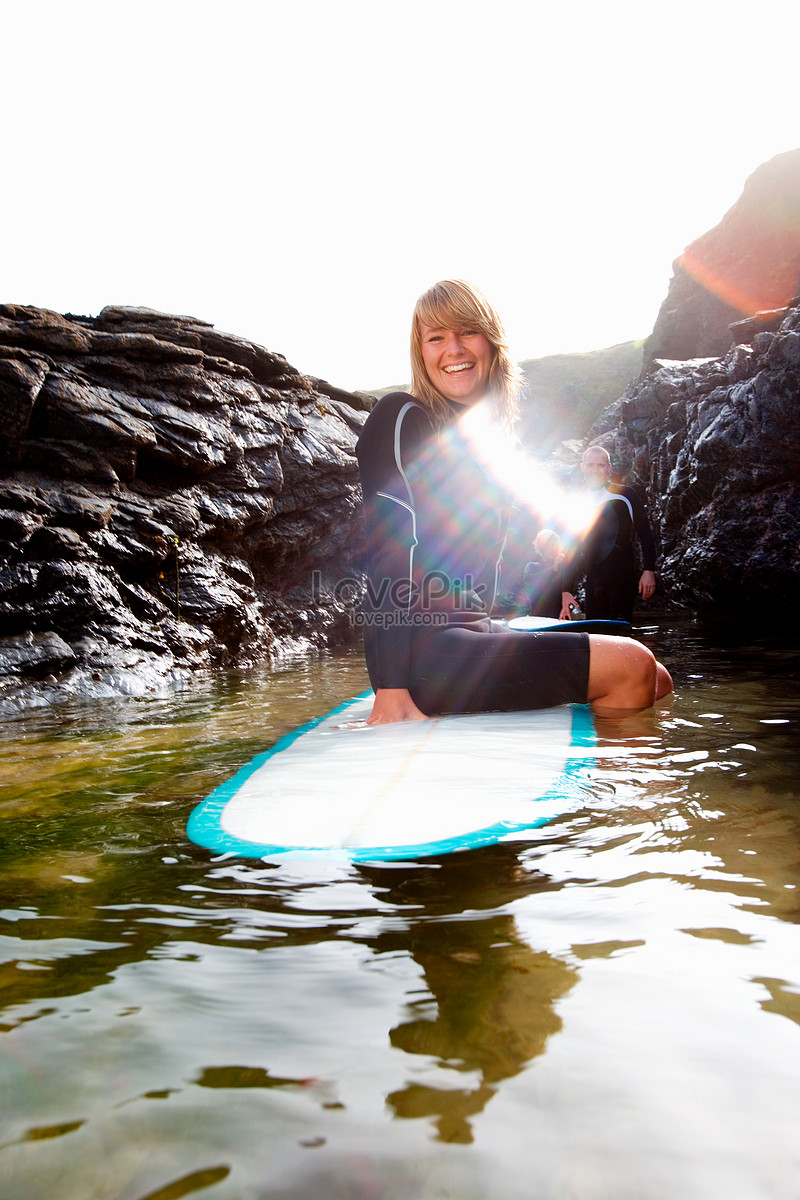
[611,1009]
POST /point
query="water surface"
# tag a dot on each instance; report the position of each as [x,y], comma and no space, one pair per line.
[610,1009]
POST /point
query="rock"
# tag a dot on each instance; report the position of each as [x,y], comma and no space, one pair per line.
[169,494]
[715,445]
[747,267]
[36,654]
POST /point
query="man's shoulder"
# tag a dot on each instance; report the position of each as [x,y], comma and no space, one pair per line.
[626,490]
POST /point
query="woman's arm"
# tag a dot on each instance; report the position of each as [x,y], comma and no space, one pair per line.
[389,442]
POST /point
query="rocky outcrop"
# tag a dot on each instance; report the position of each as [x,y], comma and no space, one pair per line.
[171,497]
[748,264]
[716,443]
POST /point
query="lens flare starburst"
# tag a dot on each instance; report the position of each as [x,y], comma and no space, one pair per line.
[551,502]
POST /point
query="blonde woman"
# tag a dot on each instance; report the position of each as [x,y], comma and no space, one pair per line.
[436,519]
[543,591]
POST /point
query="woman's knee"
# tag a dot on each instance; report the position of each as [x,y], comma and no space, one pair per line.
[664,685]
[622,673]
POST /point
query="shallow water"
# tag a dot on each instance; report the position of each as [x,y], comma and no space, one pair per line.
[611,1009]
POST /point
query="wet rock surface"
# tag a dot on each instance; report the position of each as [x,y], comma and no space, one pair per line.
[171,498]
[715,443]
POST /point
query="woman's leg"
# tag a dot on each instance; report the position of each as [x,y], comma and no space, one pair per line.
[478,670]
[624,675]
[489,668]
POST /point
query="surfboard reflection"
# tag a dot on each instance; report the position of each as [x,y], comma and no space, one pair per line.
[487,1010]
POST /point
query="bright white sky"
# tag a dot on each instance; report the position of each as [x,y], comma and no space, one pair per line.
[298,171]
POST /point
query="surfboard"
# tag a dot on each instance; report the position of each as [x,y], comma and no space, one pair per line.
[337,788]
[586,625]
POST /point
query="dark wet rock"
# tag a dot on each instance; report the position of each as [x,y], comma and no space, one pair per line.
[34,654]
[715,445]
[171,498]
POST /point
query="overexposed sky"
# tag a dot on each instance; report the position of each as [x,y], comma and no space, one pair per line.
[297,172]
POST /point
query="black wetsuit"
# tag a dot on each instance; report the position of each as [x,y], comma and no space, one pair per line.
[436,523]
[542,590]
[607,556]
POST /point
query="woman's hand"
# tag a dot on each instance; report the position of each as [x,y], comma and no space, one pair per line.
[394,704]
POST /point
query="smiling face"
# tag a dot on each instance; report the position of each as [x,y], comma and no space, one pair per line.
[457,362]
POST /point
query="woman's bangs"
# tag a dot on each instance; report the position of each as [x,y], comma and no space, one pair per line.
[450,312]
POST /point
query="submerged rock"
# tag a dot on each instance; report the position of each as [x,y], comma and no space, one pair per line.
[171,498]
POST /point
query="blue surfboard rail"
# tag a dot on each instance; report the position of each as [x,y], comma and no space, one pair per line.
[579,625]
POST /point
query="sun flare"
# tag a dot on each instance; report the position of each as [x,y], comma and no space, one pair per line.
[571,509]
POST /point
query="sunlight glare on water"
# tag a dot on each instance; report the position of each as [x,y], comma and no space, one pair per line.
[610,1008]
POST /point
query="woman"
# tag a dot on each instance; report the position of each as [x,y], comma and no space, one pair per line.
[543,591]
[436,517]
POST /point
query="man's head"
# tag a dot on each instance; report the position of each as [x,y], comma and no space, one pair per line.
[596,467]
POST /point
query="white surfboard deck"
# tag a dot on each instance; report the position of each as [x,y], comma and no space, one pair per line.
[340,789]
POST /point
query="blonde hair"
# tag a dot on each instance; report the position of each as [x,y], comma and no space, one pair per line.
[548,545]
[455,304]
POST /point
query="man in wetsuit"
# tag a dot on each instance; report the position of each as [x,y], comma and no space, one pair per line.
[607,558]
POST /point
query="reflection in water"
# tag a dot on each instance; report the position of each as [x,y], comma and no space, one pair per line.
[193,1182]
[624,986]
[488,1004]
[489,1010]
